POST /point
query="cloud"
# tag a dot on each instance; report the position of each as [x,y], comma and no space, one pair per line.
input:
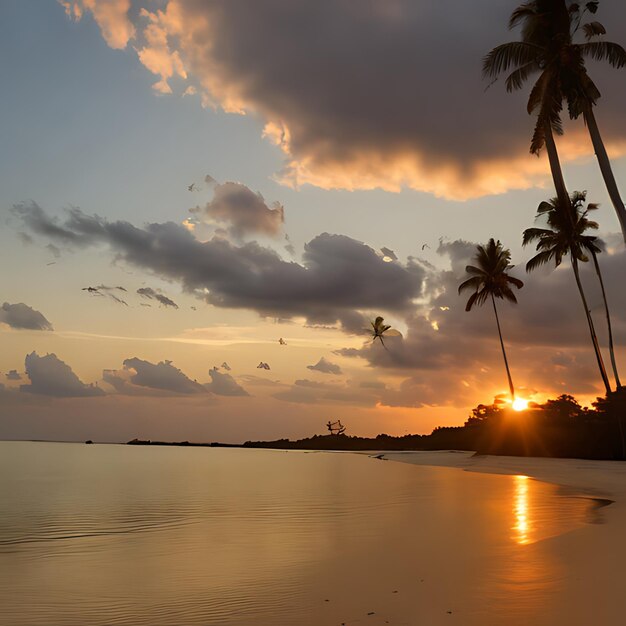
[110,15]
[338,275]
[13,375]
[388,109]
[49,376]
[325,367]
[21,316]
[151,294]
[450,355]
[162,376]
[223,384]
[242,211]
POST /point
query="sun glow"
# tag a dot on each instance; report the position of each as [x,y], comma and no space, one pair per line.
[519,404]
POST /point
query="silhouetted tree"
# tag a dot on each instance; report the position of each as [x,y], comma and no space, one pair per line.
[565,407]
[613,408]
[489,278]
[565,234]
[548,47]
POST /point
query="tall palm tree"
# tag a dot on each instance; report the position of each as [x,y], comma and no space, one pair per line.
[549,48]
[565,234]
[489,279]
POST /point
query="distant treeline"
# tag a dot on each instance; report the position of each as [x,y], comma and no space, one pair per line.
[558,428]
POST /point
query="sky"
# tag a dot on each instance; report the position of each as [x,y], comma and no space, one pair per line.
[226,174]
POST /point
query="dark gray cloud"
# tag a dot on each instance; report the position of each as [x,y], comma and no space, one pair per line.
[338,275]
[546,336]
[49,376]
[161,376]
[13,375]
[223,384]
[392,95]
[241,211]
[325,367]
[151,294]
[21,316]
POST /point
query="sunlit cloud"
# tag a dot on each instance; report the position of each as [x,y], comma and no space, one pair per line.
[413,120]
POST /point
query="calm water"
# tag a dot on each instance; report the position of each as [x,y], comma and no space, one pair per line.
[109,534]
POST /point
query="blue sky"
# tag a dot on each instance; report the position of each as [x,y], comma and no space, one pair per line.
[81,126]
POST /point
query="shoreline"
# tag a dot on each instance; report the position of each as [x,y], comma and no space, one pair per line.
[604,480]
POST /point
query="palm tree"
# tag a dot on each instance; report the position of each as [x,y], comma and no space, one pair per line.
[565,234]
[489,279]
[548,47]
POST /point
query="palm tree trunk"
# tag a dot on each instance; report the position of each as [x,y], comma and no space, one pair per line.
[506,362]
[594,338]
[555,167]
[608,321]
[605,167]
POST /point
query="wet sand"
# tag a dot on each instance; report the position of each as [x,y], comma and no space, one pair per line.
[588,563]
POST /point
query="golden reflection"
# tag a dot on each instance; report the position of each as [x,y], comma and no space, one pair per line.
[522,525]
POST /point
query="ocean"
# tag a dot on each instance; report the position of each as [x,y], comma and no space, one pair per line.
[132,535]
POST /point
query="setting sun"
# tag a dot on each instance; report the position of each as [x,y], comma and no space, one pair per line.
[519,404]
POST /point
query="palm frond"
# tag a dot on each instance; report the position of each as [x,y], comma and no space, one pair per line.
[507,55]
[471,283]
[604,51]
[593,29]
[471,301]
[507,294]
[532,234]
[539,259]
[515,281]
[516,79]
[521,13]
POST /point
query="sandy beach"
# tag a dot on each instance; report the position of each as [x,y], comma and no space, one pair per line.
[590,570]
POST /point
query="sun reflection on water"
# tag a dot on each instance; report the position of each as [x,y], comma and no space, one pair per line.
[522,525]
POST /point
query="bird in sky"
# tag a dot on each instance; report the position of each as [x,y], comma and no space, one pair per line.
[263,366]
[226,366]
[191,187]
[282,342]
[424,246]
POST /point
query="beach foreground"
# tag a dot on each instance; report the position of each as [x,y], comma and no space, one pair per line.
[127,535]
[592,558]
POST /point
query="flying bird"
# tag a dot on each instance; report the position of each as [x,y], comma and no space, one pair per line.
[52,263]
[191,187]
[263,366]
[282,342]
[226,366]
[103,290]
[425,246]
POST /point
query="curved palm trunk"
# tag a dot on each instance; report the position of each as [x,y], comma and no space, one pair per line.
[594,338]
[555,166]
[605,167]
[506,362]
[608,321]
